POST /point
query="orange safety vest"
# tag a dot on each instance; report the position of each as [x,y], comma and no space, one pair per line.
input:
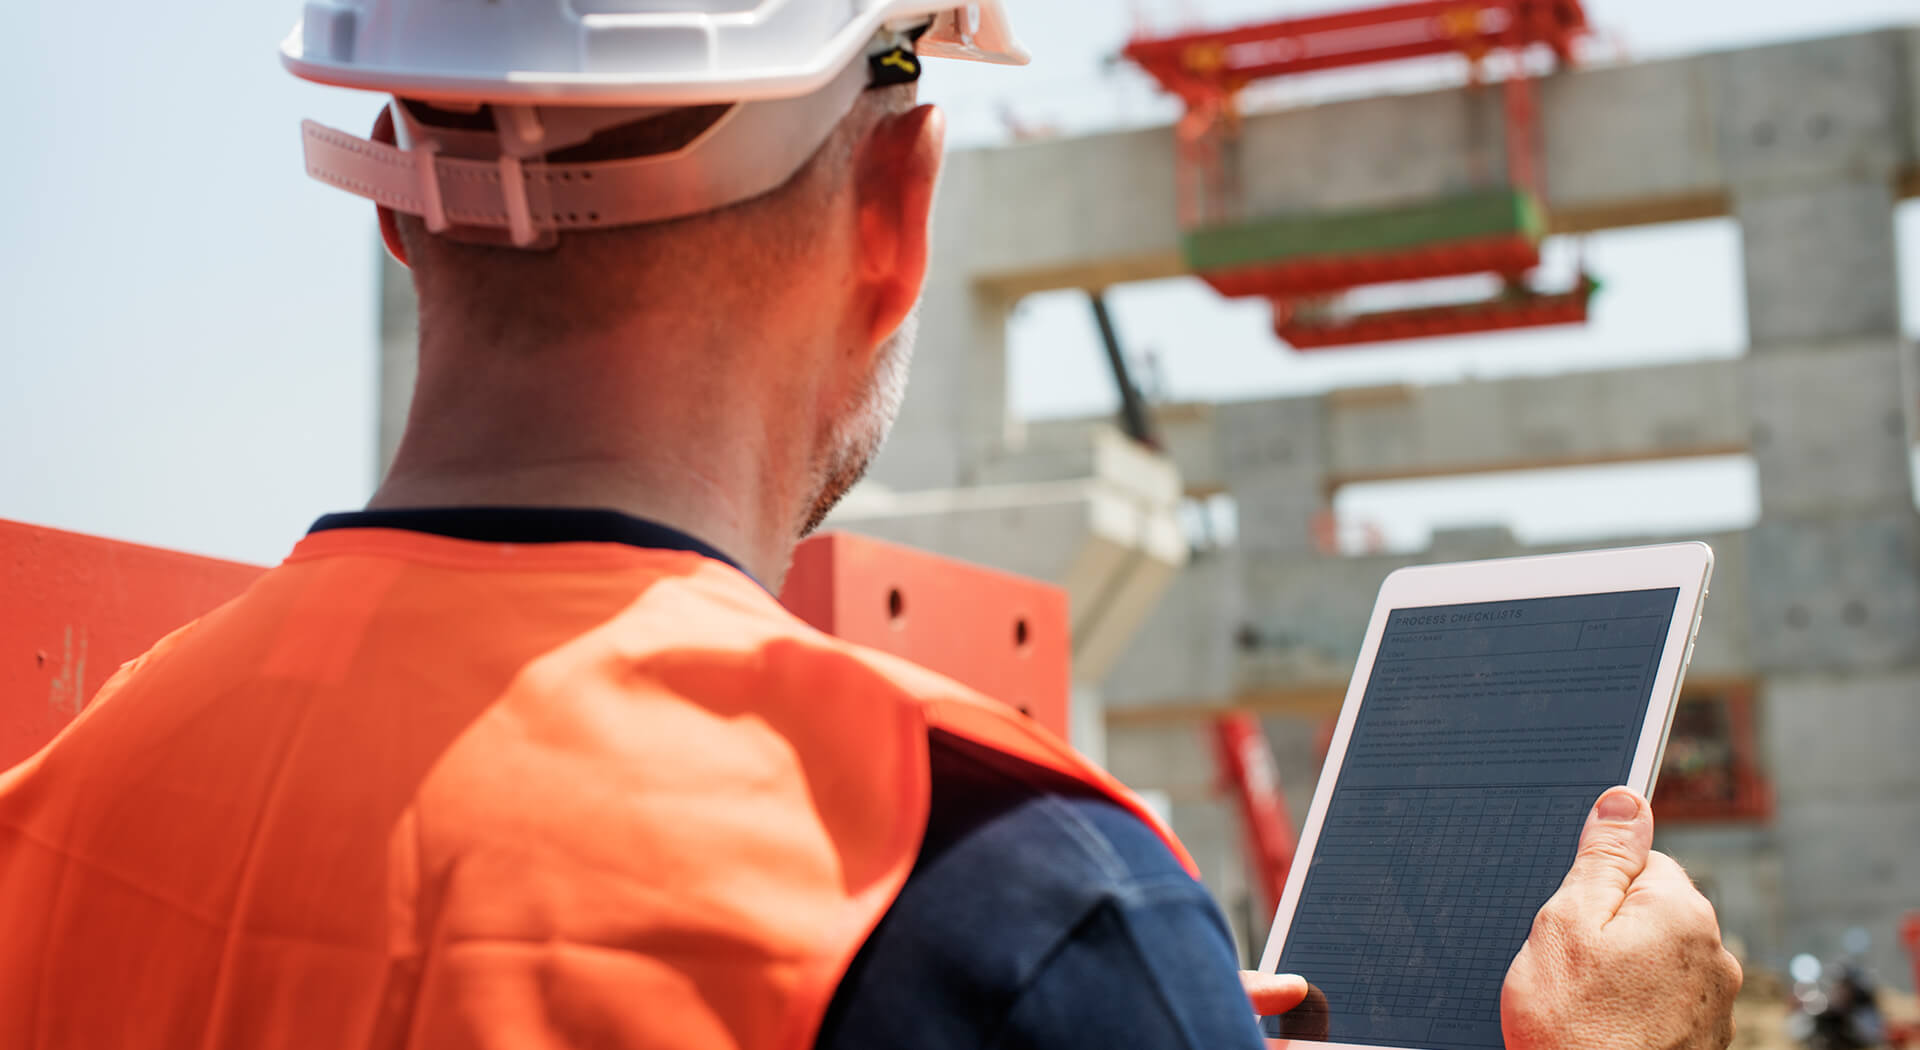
[409,791]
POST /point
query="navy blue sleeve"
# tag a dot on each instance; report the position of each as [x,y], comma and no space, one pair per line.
[1152,966]
[1039,915]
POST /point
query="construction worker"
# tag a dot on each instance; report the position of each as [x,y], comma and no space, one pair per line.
[525,754]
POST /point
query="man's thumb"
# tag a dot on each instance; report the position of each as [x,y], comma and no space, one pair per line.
[1613,852]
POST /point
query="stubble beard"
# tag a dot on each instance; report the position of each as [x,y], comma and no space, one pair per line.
[862,430]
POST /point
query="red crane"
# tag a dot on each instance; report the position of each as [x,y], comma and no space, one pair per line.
[1908,1034]
[1246,767]
[1300,261]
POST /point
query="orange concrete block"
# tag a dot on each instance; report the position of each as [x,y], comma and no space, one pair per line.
[73,608]
[1004,635]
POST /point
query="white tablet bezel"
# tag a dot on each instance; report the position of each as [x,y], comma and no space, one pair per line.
[1688,566]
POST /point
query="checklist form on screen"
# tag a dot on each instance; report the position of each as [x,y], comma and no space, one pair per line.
[1485,733]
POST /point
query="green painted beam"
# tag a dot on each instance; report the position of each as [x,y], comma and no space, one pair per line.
[1467,216]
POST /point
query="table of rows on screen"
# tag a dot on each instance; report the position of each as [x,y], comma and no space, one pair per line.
[1419,898]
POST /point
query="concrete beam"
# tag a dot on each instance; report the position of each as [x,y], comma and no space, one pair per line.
[1062,449]
[1655,141]
[1388,433]
[1278,633]
[1674,411]
[1111,538]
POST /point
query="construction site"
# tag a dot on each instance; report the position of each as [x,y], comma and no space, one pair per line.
[1203,664]
[1803,814]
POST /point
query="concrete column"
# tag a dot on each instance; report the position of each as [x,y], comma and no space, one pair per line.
[1087,723]
[1849,819]
[1836,557]
[399,355]
[1185,649]
[955,415]
[1273,458]
[1811,137]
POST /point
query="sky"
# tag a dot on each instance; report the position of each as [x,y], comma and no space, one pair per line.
[187,322]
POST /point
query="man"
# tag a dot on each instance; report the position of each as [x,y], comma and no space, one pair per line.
[525,754]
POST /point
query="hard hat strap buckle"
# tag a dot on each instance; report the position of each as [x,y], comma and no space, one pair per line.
[433,205]
[521,137]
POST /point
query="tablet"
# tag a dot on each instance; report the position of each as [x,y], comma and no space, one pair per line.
[1493,702]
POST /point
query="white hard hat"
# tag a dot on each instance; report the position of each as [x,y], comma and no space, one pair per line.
[555,72]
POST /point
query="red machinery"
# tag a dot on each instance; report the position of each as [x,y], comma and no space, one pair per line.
[1246,766]
[1908,1034]
[1300,261]
[74,607]
[1910,936]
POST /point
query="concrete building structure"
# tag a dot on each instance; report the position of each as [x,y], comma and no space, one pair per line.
[1816,610]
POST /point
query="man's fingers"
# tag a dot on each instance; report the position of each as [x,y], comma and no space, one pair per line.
[1613,852]
[1273,993]
[1665,895]
[1663,874]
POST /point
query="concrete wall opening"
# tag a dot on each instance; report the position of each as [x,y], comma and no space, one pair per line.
[1695,496]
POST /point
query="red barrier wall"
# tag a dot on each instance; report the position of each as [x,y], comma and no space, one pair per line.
[1007,636]
[73,608]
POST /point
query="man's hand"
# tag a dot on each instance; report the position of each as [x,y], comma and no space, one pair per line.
[1302,1007]
[1626,954]
[1273,993]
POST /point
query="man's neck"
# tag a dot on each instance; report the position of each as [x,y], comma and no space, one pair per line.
[685,447]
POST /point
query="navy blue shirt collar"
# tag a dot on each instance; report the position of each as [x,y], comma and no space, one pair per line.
[528,525]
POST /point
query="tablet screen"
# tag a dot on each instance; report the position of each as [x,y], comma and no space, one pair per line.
[1485,734]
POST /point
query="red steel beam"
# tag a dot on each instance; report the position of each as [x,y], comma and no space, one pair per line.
[1509,254]
[1212,62]
[1531,311]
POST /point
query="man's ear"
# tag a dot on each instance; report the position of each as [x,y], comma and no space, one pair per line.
[897,168]
[389,225]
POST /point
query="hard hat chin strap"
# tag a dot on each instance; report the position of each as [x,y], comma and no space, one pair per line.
[497,180]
